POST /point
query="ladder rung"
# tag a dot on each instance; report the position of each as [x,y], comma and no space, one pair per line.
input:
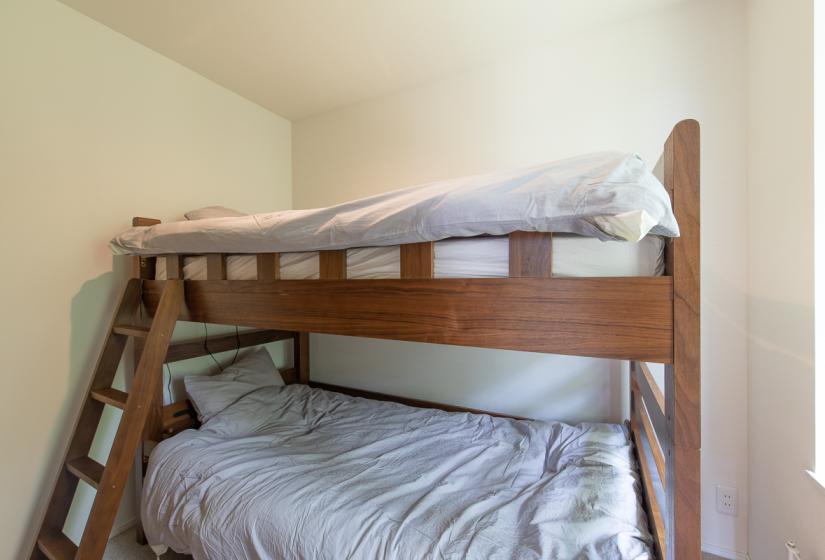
[56,546]
[111,397]
[131,330]
[86,469]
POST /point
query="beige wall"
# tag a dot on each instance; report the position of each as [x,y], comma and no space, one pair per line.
[94,129]
[621,87]
[785,502]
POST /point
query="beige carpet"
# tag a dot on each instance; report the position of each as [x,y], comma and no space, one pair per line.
[124,547]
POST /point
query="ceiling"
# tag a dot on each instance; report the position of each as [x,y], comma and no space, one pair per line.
[302,57]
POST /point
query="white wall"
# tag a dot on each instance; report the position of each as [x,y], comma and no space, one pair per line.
[621,87]
[785,502]
[94,129]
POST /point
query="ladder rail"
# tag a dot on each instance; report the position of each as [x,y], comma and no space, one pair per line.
[130,430]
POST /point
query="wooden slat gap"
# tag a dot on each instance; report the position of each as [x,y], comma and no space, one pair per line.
[653,441]
[655,390]
[656,512]
[186,350]
[657,417]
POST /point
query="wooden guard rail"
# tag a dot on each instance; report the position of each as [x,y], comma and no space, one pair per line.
[531,256]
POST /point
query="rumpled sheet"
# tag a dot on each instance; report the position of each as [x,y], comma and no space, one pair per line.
[605,195]
[299,473]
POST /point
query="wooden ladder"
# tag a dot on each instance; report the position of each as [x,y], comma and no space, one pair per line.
[110,480]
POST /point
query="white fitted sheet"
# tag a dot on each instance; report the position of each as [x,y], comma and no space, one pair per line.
[484,257]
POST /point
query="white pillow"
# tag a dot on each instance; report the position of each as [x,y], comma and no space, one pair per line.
[211,394]
[213,212]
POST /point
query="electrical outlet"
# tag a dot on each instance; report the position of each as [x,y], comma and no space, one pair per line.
[727,500]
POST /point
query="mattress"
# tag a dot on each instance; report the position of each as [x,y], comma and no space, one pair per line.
[293,473]
[611,196]
[484,257]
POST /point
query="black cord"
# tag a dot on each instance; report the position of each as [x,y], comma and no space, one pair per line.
[206,347]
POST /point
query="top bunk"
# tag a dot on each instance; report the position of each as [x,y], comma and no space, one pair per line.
[609,196]
[572,257]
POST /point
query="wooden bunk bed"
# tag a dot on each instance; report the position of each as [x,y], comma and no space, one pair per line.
[641,319]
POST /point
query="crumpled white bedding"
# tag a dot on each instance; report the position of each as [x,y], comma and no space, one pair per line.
[299,473]
[604,195]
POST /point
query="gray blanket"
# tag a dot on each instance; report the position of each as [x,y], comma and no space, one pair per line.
[604,195]
[293,472]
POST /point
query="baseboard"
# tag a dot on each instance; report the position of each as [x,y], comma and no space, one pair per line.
[724,552]
[121,527]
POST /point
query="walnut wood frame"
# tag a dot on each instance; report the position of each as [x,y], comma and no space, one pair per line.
[637,319]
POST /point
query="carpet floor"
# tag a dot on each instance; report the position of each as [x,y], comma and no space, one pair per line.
[124,547]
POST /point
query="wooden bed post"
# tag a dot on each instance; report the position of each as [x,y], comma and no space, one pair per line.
[300,356]
[682,377]
[144,267]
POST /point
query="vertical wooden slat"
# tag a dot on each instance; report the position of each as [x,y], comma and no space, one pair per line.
[301,357]
[143,267]
[682,377]
[531,254]
[333,265]
[174,267]
[216,266]
[269,266]
[151,433]
[418,260]
[289,375]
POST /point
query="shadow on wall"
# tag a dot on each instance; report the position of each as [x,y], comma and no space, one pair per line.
[785,501]
[90,311]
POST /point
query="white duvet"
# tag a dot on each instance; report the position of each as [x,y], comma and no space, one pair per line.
[293,472]
[603,195]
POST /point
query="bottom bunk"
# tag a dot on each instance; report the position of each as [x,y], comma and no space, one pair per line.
[290,471]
